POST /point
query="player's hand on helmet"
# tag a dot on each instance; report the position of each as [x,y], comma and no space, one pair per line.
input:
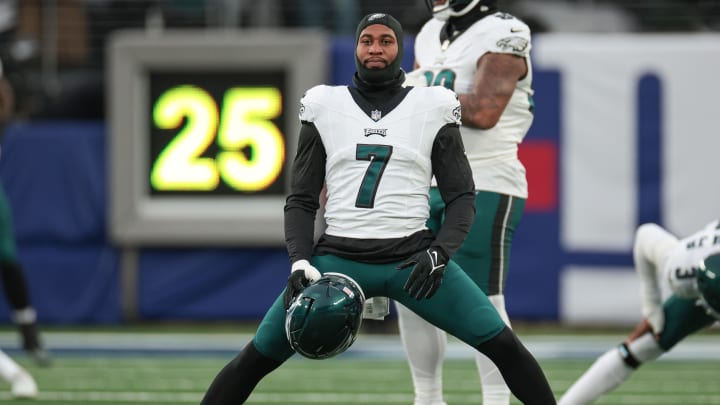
[303,273]
[428,267]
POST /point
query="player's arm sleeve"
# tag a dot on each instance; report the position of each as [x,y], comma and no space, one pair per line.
[651,248]
[301,205]
[455,182]
[509,37]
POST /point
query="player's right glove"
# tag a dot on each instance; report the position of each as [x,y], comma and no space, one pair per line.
[303,273]
[426,275]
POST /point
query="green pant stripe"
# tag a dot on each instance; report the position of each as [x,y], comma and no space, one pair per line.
[498,248]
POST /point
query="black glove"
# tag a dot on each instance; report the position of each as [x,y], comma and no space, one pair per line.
[426,275]
[303,273]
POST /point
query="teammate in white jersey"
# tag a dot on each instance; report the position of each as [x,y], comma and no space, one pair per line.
[680,291]
[484,56]
[377,145]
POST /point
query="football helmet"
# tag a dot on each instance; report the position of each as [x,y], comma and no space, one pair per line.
[708,282]
[324,319]
[444,9]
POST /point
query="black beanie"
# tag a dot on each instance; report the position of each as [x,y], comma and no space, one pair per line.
[393,69]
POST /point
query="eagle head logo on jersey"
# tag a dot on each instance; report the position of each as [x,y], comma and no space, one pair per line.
[375,115]
[516,45]
[457,113]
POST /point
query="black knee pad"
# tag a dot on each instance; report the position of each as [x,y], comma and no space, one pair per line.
[628,357]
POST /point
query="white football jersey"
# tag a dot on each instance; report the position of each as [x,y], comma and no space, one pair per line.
[378,169]
[492,153]
[682,264]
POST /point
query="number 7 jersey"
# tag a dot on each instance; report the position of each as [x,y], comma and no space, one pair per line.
[378,166]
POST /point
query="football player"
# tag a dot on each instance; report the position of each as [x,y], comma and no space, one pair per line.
[484,56]
[13,277]
[680,292]
[376,145]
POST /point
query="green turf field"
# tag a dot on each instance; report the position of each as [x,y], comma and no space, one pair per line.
[114,380]
[107,368]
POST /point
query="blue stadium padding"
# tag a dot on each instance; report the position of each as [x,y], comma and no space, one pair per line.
[55,178]
[54,175]
[72,284]
[223,283]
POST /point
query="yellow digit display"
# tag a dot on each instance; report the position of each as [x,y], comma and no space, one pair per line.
[179,166]
[214,135]
[247,113]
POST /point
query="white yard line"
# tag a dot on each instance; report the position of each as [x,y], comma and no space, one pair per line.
[371,346]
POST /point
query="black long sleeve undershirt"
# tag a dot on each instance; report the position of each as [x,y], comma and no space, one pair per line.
[308,177]
[455,182]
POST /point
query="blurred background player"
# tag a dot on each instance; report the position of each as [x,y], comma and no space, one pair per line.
[484,56]
[22,384]
[13,278]
[685,271]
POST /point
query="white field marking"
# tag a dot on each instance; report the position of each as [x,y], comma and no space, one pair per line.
[367,346]
[336,398]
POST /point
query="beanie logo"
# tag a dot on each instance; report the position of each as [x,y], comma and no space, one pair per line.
[376,16]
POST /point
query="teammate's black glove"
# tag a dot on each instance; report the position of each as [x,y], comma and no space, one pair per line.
[426,275]
[303,273]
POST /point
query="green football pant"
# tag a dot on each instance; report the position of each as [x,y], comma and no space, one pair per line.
[7,235]
[683,317]
[485,254]
[459,306]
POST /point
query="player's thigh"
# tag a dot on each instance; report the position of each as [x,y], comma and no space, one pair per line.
[270,338]
[485,254]
[683,317]
[370,277]
[459,307]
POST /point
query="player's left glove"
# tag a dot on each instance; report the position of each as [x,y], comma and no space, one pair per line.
[303,273]
[427,273]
